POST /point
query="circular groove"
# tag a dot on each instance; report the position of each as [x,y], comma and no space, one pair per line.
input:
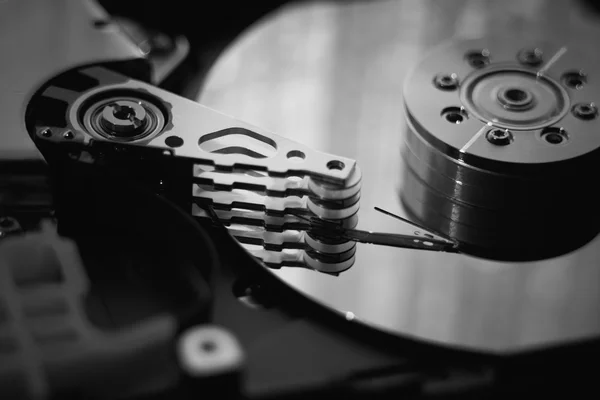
[478,184]
[121,116]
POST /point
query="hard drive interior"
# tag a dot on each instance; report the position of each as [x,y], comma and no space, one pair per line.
[503,302]
[373,199]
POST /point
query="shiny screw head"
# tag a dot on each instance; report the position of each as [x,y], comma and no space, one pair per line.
[68,135]
[531,57]
[575,79]
[478,58]
[446,81]
[46,133]
[585,110]
[123,117]
[499,137]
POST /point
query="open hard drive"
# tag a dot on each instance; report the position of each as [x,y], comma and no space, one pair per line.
[424,224]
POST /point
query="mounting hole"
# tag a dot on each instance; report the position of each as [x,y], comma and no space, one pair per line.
[574,79]
[296,156]
[174,141]
[454,115]
[478,58]
[446,81]
[335,165]
[68,135]
[554,136]
[585,111]
[531,57]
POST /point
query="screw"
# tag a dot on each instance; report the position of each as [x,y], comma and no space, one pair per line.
[575,79]
[585,110]
[46,133]
[478,58]
[68,135]
[531,57]
[123,117]
[499,137]
[446,82]
[454,115]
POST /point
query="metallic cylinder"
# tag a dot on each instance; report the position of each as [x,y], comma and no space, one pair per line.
[501,162]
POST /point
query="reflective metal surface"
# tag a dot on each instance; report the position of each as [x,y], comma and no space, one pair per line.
[331,76]
[40,39]
[482,160]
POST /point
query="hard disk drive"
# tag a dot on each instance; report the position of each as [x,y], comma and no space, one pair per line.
[154,247]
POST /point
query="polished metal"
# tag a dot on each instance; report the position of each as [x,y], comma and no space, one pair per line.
[29,33]
[123,117]
[340,90]
[507,150]
[198,125]
[250,174]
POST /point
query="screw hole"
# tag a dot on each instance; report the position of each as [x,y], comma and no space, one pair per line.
[335,165]
[68,135]
[455,118]
[574,79]
[446,82]
[585,111]
[478,58]
[174,141]
[531,57]
[296,156]
[454,115]
[554,136]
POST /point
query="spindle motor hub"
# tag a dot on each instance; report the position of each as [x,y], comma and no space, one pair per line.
[500,145]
